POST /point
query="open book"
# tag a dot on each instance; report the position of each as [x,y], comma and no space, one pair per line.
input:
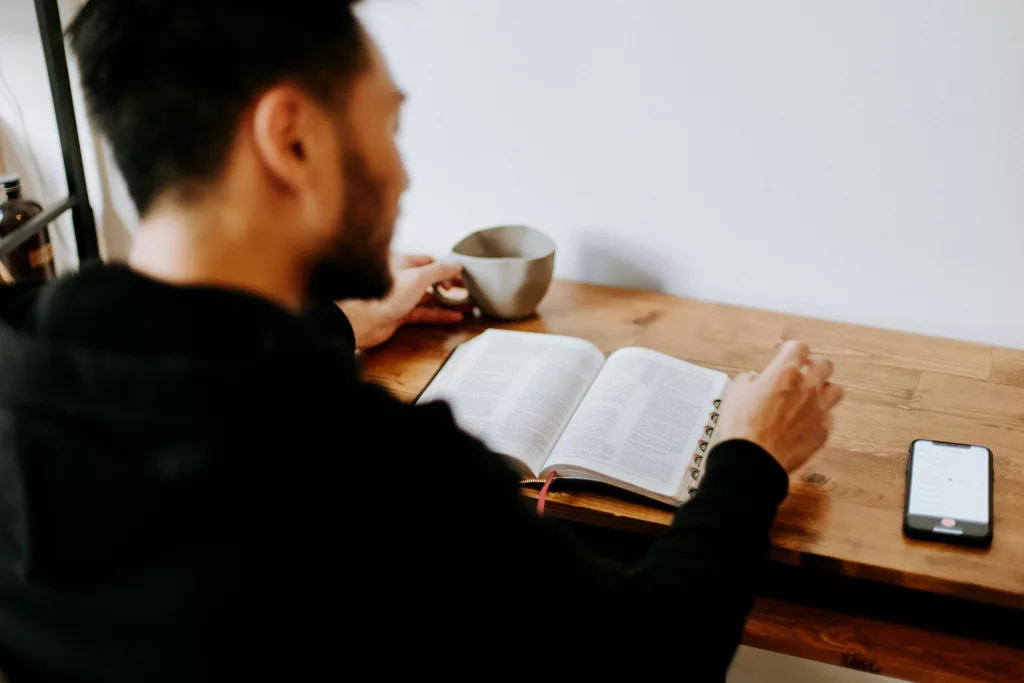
[639,420]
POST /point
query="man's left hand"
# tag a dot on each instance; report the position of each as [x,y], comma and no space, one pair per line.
[375,320]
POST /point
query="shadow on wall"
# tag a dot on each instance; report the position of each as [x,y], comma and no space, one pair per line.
[609,260]
[115,236]
[20,16]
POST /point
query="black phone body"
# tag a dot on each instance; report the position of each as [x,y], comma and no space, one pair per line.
[949,493]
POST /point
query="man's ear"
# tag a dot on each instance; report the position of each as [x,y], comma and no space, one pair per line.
[281,133]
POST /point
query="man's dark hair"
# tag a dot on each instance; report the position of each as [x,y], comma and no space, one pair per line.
[167,80]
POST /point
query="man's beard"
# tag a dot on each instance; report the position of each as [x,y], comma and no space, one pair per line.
[357,265]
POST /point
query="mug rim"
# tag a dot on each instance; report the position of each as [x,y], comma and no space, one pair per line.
[550,252]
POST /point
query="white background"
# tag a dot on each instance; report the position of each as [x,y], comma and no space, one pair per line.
[860,160]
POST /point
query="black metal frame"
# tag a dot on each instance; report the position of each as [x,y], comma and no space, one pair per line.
[52,34]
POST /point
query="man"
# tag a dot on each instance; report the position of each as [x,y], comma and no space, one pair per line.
[196,485]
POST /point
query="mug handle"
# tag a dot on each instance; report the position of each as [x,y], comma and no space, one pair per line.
[448,301]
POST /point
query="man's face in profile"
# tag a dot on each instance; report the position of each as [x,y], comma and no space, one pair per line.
[355,263]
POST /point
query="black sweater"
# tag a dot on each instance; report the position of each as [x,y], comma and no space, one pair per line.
[195,485]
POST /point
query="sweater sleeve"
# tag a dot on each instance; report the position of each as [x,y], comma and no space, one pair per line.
[687,601]
[709,560]
[332,325]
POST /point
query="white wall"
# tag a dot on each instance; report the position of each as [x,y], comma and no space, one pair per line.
[860,160]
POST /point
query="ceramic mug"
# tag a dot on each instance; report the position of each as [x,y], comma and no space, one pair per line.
[507,270]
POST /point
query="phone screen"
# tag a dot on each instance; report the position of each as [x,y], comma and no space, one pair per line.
[949,481]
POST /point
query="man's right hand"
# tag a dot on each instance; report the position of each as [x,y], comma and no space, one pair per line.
[787,409]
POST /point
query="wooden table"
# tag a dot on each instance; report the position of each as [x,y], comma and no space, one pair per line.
[844,513]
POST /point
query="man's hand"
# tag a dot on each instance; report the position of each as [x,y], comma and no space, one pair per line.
[787,409]
[375,320]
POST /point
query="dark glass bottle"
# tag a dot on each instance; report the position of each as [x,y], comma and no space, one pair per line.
[33,260]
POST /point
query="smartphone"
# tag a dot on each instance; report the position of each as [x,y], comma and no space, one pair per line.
[949,493]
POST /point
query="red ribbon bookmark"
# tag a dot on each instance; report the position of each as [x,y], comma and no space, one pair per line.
[542,498]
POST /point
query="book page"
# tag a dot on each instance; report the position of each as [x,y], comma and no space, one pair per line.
[517,390]
[642,421]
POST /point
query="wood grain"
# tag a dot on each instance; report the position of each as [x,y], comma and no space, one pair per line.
[1007,367]
[878,646]
[844,512]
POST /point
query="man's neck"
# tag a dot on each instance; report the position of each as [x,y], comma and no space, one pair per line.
[186,248]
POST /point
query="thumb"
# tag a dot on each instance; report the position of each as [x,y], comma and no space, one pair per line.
[436,272]
[403,261]
[745,378]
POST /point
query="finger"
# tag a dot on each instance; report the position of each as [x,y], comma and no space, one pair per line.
[745,378]
[428,300]
[740,382]
[429,315]
[438,271]
[454,282]
[830,423]
[817,370]
[792,354]
[831,395]
[405,261]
